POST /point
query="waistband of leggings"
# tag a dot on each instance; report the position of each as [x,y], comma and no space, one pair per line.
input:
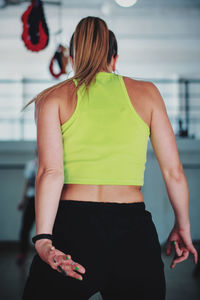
[136,208]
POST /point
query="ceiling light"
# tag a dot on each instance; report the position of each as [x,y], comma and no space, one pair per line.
[126,3]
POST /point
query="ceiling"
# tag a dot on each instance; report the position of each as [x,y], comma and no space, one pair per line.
[98,4]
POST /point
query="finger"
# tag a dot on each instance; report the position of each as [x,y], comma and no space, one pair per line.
[192,249]
[58,258]
[68,257]
[75,266]
[71,273]
[61,270]
[57,262]
[177,248]
[174,262]
[179,259]
[67,271]
[53,263]
[64,260]
[53,258]
[195,255]
[61,260]
[62,257]
[168,248]
[51,251]
[52,248]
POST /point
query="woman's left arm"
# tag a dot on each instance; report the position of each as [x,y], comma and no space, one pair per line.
[50,174]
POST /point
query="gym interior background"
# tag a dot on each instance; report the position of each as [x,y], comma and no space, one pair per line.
[158,41]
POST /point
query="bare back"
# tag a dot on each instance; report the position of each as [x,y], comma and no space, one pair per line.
[138,93]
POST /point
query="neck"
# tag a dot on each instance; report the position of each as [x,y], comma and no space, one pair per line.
[108,69]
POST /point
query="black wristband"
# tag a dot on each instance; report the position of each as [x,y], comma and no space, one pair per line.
[42,236]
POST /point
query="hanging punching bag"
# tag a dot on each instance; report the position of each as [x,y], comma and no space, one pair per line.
[35,30]
[61,56]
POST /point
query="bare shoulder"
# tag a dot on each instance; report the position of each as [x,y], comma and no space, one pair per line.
[58,90]
[148,90]
[141,87]
[146,86]
[135,82]
[55,95]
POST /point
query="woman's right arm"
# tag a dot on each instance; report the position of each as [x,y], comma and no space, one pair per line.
[164,145]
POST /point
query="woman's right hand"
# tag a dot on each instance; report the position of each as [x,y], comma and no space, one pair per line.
[183,245]
[56,259]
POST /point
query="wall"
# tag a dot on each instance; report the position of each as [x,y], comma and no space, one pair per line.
[156,38]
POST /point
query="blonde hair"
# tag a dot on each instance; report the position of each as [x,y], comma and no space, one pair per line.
[91,45]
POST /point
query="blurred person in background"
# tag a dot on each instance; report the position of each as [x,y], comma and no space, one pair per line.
[27,205]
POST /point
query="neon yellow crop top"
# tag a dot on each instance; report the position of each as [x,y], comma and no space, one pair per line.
[105,140]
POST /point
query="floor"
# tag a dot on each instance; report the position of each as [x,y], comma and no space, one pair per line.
[181,283]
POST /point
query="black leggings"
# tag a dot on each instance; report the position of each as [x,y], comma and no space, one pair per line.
[118,245]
